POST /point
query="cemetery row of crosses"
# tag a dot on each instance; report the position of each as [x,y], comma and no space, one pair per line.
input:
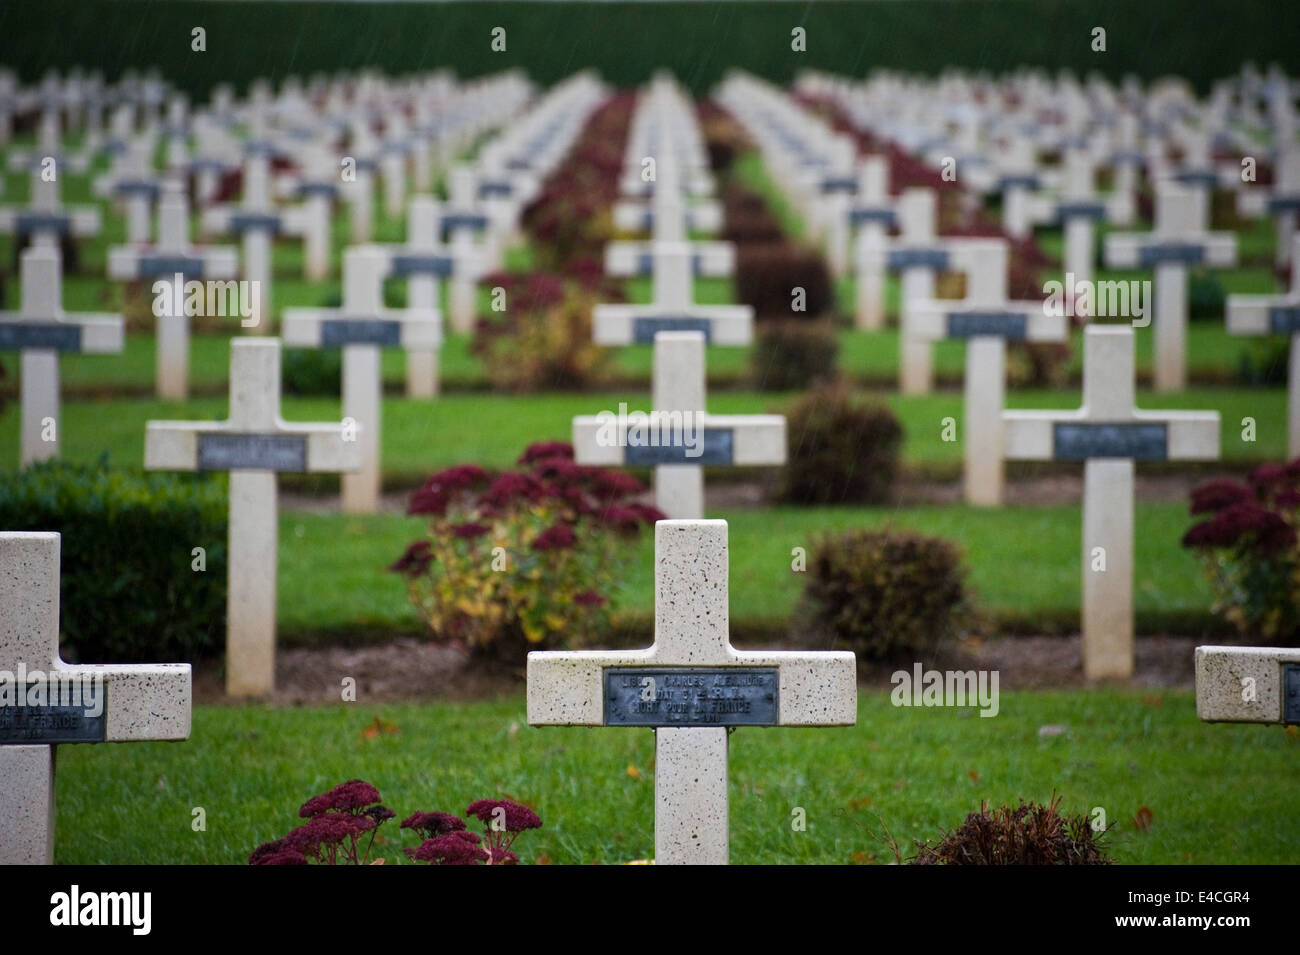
[197,202]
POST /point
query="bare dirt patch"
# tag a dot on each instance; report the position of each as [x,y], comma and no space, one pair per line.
[416,670]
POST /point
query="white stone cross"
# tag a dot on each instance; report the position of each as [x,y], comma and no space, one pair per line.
[172,260]
[394,159]
[867,209]
[1175,245]
[49,139]
[987,320]
[664,255]
[39,330]
[691,686]
[133,183]
[679,438]
[672,261]
[215,153]
[362,327]
[359,190]
[1016,182]
[1276,315]
[317,185]
[424,262]
[45,217]
[1248,684]
[45,702]
[918,255]
[1076,208]
[461,221]
[1108,434]
[1282,201]
[254,443]
[258,222]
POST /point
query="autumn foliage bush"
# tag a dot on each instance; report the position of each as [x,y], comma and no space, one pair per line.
[542,339]
[1248,545]
[526,559]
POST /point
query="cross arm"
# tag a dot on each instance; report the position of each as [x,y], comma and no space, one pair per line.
[1173,435]
[96,334]
[638,216]
[1262,314]
[933,319]
[637,324]
[712,259]
[175,445]
[1242,684]
[814,689]
[144,702]
[1131,250]
[396,327]
[82,221]
[745,440]
[214,262]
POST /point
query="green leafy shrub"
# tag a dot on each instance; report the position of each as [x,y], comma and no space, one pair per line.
[1248,546]
[790,356]
[767,275]
[1265,367]
[128,590]
[1029,834]
[522,560]
[1205,296]
[888,595]
[843,450]
[312,372]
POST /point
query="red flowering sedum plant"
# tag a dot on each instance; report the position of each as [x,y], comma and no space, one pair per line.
[1248,544]
[340,819]
[447,841]
[524,559]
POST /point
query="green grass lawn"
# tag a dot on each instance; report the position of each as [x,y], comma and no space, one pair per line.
[1024,566]
[1217,794]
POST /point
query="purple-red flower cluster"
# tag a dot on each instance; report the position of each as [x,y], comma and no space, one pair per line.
[336,821]
[436,493]
[509,816]
[1259,515]
[447,842]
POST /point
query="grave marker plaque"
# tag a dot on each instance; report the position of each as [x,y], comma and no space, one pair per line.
[692,696]
[252,452]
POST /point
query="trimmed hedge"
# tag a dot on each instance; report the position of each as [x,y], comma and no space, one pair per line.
[128,593]
[627,42]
